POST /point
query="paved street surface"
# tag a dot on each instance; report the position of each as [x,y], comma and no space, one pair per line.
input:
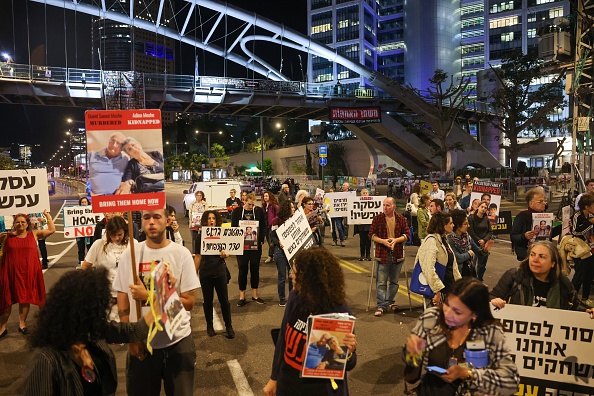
[242,366]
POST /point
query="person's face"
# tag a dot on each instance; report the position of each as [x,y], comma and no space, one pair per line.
[388,207]
[249,204]
[211,221]
[117,237]
[432,208]
[243,196]
[487,199]
[20,224]
[449,227]
[309,205]
[154,223]
[248,230]
[543,225]
[482,209]
[467,177]
[333,344]
[450,201]
[232,194]
[114,145]
[286,189]
[455,312]
[538,203]
[322,341]
[364,193]
[170,219]
[266,197]
[292,209]
[540,261]
[468,188]
[475,204]
[345,187]
[84,202]
[134,149]
[590,186]
[435,186]
[464,226]
[493,211]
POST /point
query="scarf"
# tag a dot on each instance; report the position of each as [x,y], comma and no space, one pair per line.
[462,242]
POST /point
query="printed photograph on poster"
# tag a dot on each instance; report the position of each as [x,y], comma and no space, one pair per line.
[168,302]
[542,225]
[216,239]
[319,197]
[195,219]
[566,221]
[326,355]
[251,234]
[23,191]
[125,157]
[489,192]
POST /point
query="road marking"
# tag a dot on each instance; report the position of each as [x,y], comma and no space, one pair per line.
[216,321]
[241,382]
[59,242]
[413,296]
[59,256]
[353,267]
[347,266]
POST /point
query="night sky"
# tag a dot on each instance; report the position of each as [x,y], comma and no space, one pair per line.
[35,34]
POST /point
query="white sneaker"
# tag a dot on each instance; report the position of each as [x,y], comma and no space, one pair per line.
[268,260]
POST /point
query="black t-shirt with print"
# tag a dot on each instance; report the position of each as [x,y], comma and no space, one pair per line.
[541,289]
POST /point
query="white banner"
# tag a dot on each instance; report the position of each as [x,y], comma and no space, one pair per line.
[338,203]
[215,239]
[23,191]
[362,210]
[295,234]
[80,221]
[552,349]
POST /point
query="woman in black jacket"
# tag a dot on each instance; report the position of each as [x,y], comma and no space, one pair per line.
[537,282]
[481,233]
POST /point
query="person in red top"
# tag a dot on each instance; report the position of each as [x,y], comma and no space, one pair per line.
[389,231]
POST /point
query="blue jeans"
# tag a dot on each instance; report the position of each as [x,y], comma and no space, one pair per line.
[481,265]
[337,225]
[386,283]
[282,265]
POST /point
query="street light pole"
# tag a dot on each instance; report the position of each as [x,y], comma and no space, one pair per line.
[209,133]
[262,145]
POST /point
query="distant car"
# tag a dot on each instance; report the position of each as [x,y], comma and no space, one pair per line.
[216,193]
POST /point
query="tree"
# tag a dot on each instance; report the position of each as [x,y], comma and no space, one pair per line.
[255,146]
[448,102]
[308,166]
[558,152]
[218,153]
[6,162]
[521,105]
[267,168]
[336,166]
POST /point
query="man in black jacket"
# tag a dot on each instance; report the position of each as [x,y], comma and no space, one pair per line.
[251,257]
[522,231]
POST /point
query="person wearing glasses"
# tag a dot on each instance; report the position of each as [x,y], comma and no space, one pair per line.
[522,233]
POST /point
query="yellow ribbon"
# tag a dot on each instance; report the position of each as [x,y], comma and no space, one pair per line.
[334,384]
[156,325]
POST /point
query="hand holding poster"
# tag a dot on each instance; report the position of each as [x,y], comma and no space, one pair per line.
[80,221]
[552,349]
[542,225]
[326,354]
[216,239]
[23,191]
[363,209]
[295,234]
[169,305]
[338,203]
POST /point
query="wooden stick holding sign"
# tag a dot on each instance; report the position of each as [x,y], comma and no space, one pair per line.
[133,256]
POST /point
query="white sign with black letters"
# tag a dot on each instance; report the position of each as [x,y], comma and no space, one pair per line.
[23,191]
[338,203]
[363,209]
[216,239]
[295,234]
[80,221]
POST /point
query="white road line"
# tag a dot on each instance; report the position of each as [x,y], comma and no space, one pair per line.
[59,256]
[241,382]
[59,242]
[216,321]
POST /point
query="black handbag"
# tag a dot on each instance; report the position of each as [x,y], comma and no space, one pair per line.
[469,269]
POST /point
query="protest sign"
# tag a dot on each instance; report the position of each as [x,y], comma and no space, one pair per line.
[215,239]
[80,221]
[125,159]
[489,192]
[328,361]
[319,197]
[169,304]
[295,234]
[551,348]
[363,209]
[425,187]
[250,241]
[566,221]
[542,224]
[23,191]
[503,223]
[338,203]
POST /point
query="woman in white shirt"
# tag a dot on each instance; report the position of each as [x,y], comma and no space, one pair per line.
[107,252]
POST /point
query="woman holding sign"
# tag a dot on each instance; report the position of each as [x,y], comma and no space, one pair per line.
[481,232]
[21,278]
[213,274]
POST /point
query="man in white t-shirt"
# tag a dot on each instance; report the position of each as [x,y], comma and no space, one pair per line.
[436,192]
[172,360]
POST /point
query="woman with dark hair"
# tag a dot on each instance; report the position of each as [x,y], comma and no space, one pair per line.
[537,282]
[582,228]
[319,289]
[423,215]
[464,247]
[83,243]
[441,334]
[435,249]
[106,253]
[270,207]
[363,231]
[481,232]
[71,336]
[21,278]
[212,271]
[286,210]
[313,218]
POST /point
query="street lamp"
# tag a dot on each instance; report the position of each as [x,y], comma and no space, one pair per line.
[209,133]
[282,130]
[176,144]
[7,57]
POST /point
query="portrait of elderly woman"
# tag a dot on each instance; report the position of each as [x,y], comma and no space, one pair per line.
[144,172]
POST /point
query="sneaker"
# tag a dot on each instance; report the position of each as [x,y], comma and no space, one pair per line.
[241,302]
[268,260]
[587,302]
[334,243]
[230,332]
[361,258]
[258,300]
[282,303]
[368,258]
[342,244]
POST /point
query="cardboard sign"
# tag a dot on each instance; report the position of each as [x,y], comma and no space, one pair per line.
[23,191]
[338,203]
[490,192]
[125,159]
[363,209]
[215,239]
[552,349]
[80,221]
[295,234]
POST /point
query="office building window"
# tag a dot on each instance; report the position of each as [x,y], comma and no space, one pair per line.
[496,6]
[504,22]
[472,8]
[347,22]
[315,4]
[321,27]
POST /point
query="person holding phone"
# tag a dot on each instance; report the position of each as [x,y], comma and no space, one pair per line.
[440,337]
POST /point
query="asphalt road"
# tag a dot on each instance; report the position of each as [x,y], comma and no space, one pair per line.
[242,366]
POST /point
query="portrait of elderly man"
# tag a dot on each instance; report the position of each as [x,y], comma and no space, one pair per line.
[145,171]
[107,166]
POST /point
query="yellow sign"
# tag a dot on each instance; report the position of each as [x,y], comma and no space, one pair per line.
[425,187]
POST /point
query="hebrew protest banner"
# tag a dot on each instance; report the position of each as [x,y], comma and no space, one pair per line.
[552,349]
[503,223]
[295,234]
[23,191]
[363,209]
[215,239]
[338,203]
[125,159]
[80,221]
[489,192]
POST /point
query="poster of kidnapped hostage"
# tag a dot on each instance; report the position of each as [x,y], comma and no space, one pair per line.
[125,159]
